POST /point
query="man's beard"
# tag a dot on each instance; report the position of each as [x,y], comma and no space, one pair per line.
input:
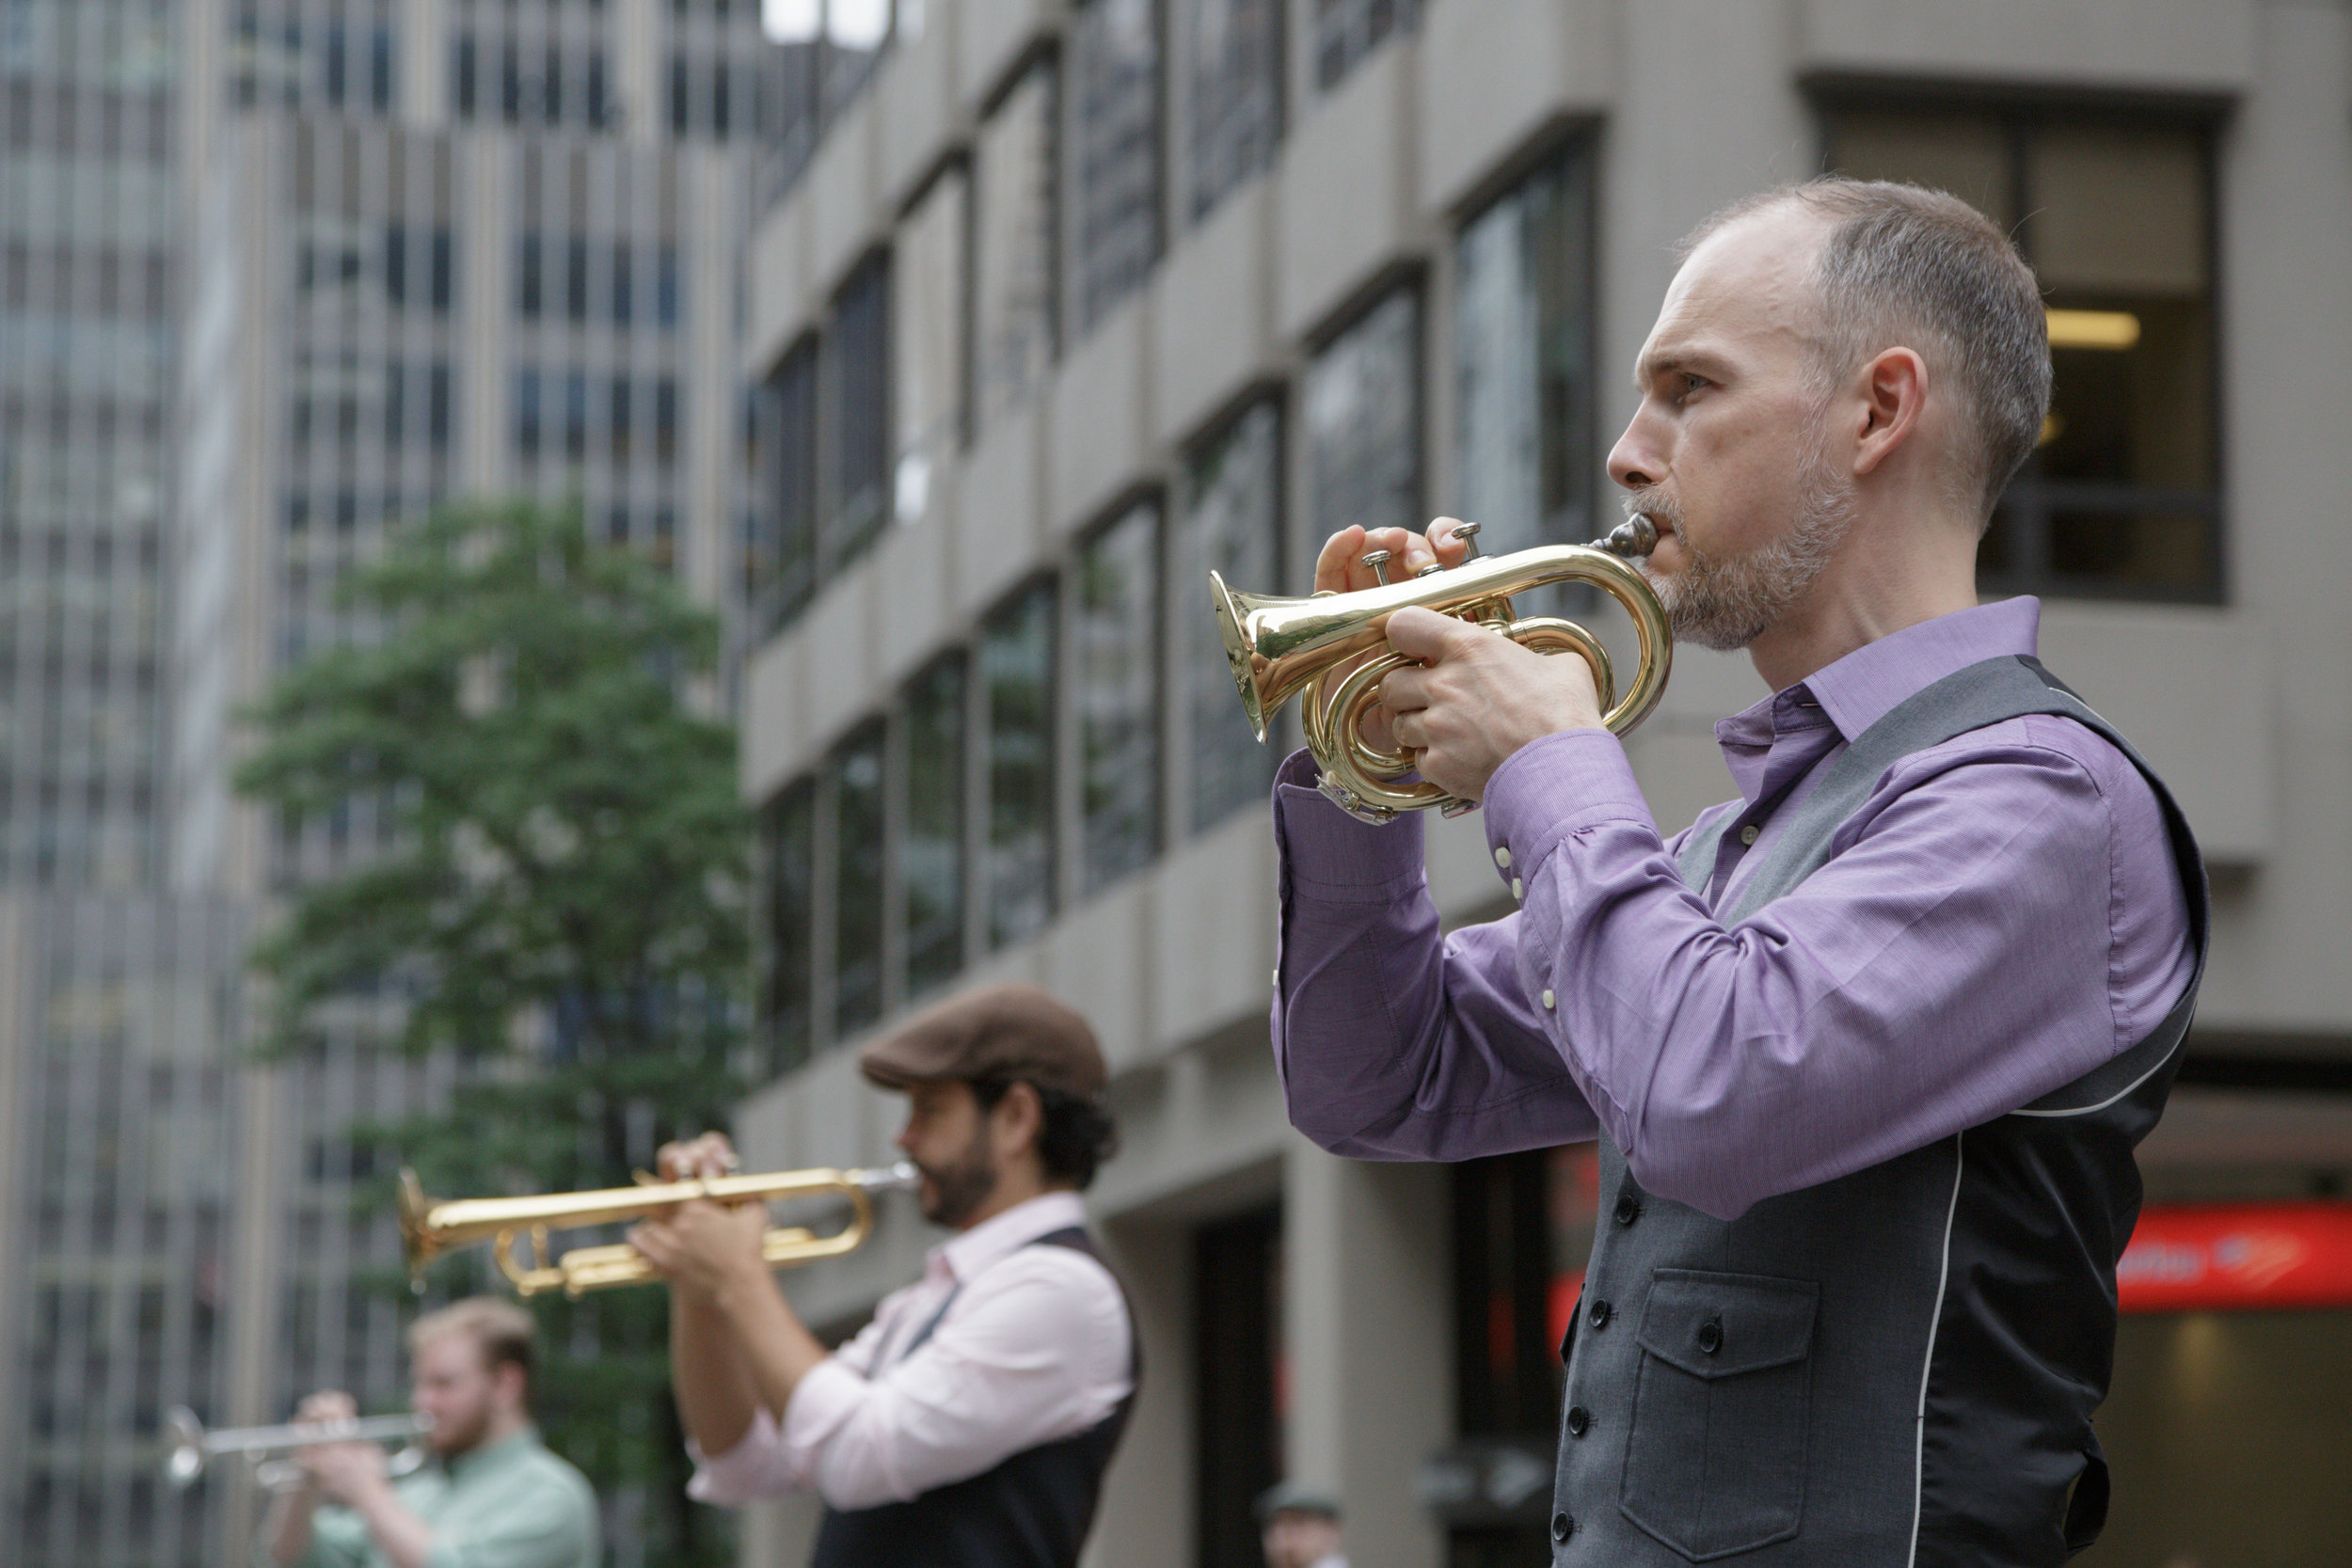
[453,1438]
[1727,602]
[958,1190]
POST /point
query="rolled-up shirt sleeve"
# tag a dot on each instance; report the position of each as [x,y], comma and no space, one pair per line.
[1036,1350]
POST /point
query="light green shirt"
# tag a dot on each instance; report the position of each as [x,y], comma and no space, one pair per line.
[511,1505]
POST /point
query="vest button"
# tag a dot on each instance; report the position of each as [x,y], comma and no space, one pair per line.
[1629,1209]
[1562,1528]
[1579,1419]
[1711,1336]
[1598,1315]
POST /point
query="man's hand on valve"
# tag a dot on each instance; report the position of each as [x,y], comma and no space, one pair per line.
[1340,569]
[344,1471]
[1476,697]
[701,1245]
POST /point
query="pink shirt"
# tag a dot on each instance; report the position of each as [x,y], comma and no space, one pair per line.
[1033,1347]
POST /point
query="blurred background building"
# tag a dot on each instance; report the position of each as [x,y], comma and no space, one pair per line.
[1076,302]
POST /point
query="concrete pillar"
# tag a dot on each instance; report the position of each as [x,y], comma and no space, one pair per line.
[424,45]
[1146,1517]
[17,976]
[1369,1335]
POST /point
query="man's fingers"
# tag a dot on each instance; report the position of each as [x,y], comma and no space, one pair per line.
[1429,637]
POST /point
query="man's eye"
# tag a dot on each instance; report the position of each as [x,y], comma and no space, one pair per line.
[1686,382]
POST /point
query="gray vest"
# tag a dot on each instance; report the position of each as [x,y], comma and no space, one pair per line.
[1896,1369]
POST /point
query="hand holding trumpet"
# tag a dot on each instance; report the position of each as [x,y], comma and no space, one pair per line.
[1475,698]
[702,1246]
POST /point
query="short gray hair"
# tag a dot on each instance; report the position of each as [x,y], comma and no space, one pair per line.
[1905,264]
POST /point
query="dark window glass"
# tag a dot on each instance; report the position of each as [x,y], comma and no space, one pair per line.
[2122,496]
[858,879]
[527,413]
[444,269]
[462,67]
[1017,667]
[1114,77]
[623,283]
[681,86]
[930,854]
[576,278]
[599,92]
[1014,257]
[666,288]
[1522,362]
[575,416]
[665,417]
[1114,641]
[437,416]
[618,422]
[1232,527]
[1236,90]
[530,264]
[1347,31]
[780,567]
[789,845]
[1361,407]
[857,355]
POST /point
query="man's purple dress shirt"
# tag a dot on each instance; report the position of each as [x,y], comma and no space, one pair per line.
[2001,916]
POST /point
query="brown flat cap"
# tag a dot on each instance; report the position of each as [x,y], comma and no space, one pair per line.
[997,1032]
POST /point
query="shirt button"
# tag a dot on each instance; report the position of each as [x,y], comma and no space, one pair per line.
[1747,834]
[1629,1209]
[1711,1336]
[1598,1315]
[1518,888]
[1547,1000]
[1562,1528]
[1502,856]
[1579,1419]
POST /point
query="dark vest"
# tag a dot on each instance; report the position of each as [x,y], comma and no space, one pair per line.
[1032,1511]
[1896,1369]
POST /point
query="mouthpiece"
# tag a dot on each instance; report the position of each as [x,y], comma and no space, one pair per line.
[1636,536]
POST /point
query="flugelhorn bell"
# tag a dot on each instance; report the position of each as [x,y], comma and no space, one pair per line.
[1280,647]
[428,1229]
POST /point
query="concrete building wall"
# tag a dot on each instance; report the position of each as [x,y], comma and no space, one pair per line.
[1685,104]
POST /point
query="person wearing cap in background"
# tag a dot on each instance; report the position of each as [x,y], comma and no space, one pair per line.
[969,1425]
[1300,1528]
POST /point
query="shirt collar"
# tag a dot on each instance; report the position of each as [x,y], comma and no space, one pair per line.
[1859,689]
[492,1456]
[965,1254]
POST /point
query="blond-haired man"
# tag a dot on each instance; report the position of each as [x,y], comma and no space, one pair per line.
[495,1497]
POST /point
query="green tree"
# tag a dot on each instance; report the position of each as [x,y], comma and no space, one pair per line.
[559,905]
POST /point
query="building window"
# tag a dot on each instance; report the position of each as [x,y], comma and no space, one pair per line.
[927,341]
[931,850]
[1234,67]
[1522,361]
[789,888]
[780,565]
[858,879]
[1017,670]
[1233,527]
[1115,84]
[1361,406]
[1114,641]
[1013,268]
[856,353]
[1347,31]
[2122,496]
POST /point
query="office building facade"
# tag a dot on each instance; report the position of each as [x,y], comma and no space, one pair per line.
[1076,303]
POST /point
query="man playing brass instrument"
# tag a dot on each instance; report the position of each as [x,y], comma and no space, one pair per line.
[497,1497]
[969,1425]
[1866,1050]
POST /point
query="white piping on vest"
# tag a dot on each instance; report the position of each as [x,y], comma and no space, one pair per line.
[1919,1422]
[2086,1110]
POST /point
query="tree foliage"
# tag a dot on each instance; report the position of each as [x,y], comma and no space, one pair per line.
[558,905]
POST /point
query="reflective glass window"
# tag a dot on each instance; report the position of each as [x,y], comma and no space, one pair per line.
[1361,407]
[788,886]
[931,850]
[1017,667]
[858,836]
[1233,59]
[1233,526]
[1115,644]
[1115,82]
[1013,264]
[857,415]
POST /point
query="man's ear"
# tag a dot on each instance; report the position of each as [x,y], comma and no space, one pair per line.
[1017,1118]
[513,1383]
[1894,387]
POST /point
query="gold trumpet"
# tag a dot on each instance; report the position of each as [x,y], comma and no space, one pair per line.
[1279,646]
[428,1229]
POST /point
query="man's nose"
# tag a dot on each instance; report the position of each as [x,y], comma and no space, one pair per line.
[1635,460]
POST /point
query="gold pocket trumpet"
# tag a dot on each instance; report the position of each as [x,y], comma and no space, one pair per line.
[428,1229]
[1278,648]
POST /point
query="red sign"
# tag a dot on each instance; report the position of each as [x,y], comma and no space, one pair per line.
[2238,1254]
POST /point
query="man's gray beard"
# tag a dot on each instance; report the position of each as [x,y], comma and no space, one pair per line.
[1727,603]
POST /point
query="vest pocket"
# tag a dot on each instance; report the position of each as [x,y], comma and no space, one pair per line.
[1715,1458]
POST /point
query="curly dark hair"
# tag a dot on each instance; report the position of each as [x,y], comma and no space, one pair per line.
[1078,1136]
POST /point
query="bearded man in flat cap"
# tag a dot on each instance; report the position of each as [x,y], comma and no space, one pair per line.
[969,1425]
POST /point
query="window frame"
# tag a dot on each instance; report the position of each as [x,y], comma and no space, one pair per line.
[2020,112]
